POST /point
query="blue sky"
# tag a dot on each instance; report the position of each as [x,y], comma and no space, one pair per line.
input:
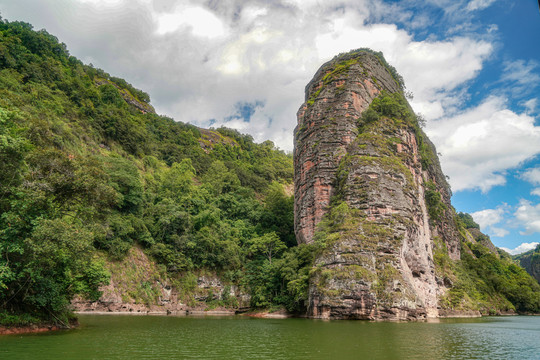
[472,65]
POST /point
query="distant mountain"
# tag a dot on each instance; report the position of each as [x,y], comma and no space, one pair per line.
[530,260]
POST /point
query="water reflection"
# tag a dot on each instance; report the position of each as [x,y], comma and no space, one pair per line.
[142,337]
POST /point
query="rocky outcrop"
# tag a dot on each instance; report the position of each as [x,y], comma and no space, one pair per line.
[128,97]
[482,239]
[369,188]
[335,98]
[138,287]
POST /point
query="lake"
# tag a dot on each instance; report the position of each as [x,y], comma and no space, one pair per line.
[167,337]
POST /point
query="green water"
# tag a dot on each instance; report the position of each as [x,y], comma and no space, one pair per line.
[161,337]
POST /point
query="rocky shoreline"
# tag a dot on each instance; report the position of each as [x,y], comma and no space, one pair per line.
[36,328]
[280,314]
[30,329]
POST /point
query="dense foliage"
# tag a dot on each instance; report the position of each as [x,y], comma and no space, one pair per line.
[88,170]
[467,221]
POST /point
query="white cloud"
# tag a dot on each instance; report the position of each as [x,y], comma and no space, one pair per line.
[103,2]
[480,144]
[479,4]
[432,70]
[488,217]
[521,78]
[528,215]
[202,22]
[197,61]
[521,72]
[498,232]
[524,247]
[492,28]
[530,105]
[532,175]
[535,192]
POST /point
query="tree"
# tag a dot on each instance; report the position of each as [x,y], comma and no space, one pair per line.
[278,214]
[268,245]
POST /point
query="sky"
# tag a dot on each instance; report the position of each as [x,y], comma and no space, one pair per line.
[473,67]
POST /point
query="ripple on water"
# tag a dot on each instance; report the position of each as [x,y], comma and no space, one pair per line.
[148,337]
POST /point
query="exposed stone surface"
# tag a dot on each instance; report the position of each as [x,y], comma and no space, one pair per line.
[27,329]
[335,98]
[137,287]
[369,181]
[210,138]
[483,240]
[128,97]
[37,328]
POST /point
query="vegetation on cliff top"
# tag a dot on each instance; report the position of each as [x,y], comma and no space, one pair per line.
[379,55]
[88,170]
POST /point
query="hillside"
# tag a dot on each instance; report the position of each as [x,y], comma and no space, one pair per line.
[88,170]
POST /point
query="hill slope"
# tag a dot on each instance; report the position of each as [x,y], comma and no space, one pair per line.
[88,170]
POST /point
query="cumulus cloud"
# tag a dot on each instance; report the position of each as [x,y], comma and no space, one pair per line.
[528,215]
[480,144]
[479,4]
[432,70]
[532,175]
[535,191]
[487,218]
[530,105]
[200,60]
[498,232]
[524,247]
[200,21]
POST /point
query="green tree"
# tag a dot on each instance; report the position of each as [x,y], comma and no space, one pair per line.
[278,214]
[268,245]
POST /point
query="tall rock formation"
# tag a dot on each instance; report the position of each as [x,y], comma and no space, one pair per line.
[369,189]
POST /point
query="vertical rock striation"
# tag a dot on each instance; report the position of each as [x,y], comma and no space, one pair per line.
[369,188]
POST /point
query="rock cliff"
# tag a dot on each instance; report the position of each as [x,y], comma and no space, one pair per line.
[369,190]
[137,286]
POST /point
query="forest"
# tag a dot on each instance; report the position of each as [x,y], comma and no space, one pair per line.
[88,170]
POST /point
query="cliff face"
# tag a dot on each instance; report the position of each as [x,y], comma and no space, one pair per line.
[138,286]
[369,188]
